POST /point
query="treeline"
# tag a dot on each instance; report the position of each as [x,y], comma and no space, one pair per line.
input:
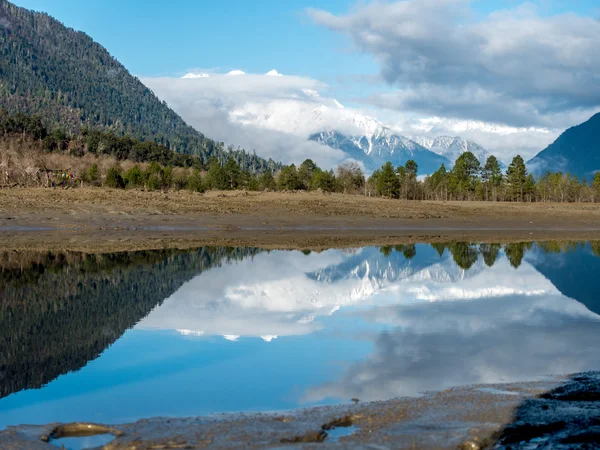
[465,255]
[308,176]
[107,143]
[469,180]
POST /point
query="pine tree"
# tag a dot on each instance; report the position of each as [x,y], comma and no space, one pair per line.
[465,174]
[288,179]
[305,173]
[232,172]
[492,177]
[216,178]
[388,184]
[596,186]
[266,181]
[516,176]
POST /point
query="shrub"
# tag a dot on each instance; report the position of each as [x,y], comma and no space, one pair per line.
[114,179]
[194,182]
[92,175]
[134,177]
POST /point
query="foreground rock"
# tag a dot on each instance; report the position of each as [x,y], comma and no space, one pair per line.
[558,413]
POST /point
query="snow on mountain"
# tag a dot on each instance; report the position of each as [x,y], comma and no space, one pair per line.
[287,293]
[378,145]
[303,112]
[453,147]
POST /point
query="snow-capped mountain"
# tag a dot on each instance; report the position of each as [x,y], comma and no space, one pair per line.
[370,263]
[374,144]
[379,145]
[300,110]
[453,147]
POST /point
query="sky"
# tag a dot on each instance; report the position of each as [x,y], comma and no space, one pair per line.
[507,74]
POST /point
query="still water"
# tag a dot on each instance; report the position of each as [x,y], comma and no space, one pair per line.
[116,337]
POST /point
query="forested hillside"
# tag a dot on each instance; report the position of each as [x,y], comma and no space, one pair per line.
[72,81]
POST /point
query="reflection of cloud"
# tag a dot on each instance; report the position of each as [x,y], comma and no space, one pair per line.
[438,345]
[284,293]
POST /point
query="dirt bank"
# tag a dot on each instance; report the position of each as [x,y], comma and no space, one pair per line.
[105,220]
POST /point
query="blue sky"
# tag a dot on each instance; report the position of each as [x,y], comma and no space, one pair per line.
[522,72]
[157,38]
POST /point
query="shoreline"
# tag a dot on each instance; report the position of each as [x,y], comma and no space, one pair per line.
[103,220]
[504,415]
[111,241]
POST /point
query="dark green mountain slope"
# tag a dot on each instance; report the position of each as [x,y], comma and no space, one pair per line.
[70,80]
[576,151]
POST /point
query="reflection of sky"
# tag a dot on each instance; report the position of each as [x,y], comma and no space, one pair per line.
[334,325]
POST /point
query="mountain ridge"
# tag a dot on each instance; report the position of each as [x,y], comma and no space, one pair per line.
[576,151]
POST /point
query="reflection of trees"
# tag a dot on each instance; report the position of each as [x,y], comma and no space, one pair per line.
[464,255]
[59,311]
[440,248]
[386,250]
[516,251]
[409,251]
[490,253]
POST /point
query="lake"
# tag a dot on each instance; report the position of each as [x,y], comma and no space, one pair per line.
[116,337]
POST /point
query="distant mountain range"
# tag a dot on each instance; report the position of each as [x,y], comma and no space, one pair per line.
[378,144]
[72,81]
[576,151]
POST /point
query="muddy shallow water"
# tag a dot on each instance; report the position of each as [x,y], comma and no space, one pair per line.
[114,338]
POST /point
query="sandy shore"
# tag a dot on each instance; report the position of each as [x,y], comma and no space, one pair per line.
[109,220]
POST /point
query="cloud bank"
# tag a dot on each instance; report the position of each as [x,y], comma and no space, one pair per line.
[514,67]
[269,113]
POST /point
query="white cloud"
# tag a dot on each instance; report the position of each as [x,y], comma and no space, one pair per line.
[195,75]
[275,115]
[270,113]
[262,112]
[273,73]
[235,73]
[514,67]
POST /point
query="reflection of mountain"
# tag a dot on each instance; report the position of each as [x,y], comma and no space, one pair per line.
[574,273]
[390,264]
[59,311]
[291,294]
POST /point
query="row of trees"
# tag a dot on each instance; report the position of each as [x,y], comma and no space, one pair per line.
[347,178]
[107,143]
[469,180]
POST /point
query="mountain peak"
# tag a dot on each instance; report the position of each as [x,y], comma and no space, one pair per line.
[453,147]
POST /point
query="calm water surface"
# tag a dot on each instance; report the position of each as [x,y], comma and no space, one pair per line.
[113,338]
